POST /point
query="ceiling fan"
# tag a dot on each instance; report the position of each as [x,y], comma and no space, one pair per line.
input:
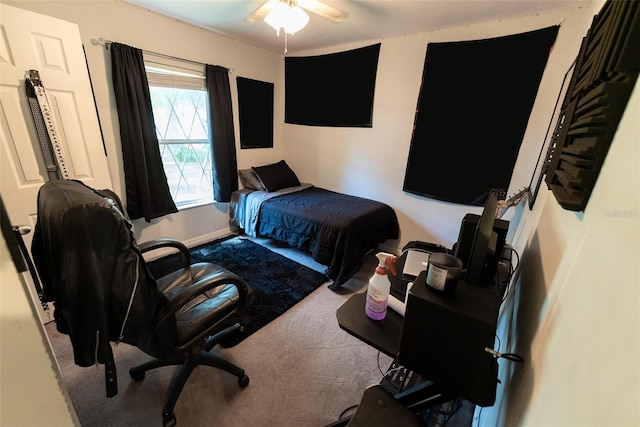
[318,7]
[289,16]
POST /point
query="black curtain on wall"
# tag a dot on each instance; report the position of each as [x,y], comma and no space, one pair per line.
[147,189]
[255,111]
[224,164]
[473,110]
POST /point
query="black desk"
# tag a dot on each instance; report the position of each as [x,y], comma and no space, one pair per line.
[383,335]
[447,338]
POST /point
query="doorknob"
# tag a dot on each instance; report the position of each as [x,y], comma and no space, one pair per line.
[22,229]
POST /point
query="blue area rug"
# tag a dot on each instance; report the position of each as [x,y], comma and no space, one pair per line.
[278,282]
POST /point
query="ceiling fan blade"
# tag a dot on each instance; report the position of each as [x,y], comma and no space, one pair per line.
[261,12]
[329,12]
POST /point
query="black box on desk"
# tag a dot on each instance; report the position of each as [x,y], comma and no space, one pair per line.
[466,235]
[444,339]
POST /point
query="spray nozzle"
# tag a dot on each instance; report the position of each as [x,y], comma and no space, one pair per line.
[386,260]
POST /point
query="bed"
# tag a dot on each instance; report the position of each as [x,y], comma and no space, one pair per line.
[337,229]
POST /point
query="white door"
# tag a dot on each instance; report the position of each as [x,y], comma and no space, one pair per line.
[53,47]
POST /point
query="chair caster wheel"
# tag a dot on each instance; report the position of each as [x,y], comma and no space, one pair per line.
[136,376]
[243,381]
[168,420]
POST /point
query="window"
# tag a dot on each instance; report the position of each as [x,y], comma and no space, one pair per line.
[179,101]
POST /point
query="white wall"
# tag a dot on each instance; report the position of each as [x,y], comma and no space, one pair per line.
[365,162]
[371,162]
[576,319]
[121,22]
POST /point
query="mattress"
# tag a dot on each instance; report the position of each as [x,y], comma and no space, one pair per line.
[337,229]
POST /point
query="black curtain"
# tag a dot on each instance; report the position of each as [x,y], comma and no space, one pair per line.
[147,189]
[472,113]
[224,164]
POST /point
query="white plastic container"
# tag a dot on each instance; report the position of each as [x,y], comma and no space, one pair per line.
[379,287]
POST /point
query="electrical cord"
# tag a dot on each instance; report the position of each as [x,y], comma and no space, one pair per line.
[379,368]
[512,270]
[509,356]
[443,413]
[342,414]
[497,355]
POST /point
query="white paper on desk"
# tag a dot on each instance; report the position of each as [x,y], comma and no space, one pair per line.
[416,262]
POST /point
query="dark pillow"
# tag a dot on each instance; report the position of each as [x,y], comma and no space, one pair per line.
[276,176]
[250,180]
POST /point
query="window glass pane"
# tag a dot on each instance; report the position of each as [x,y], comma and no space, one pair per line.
[182,128]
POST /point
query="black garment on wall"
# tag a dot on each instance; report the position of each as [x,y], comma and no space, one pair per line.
[472,112]
[146,184]
[255,110]
[336,89]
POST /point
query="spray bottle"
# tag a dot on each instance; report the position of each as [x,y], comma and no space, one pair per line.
[379,287]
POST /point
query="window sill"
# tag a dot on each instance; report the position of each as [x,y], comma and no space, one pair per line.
[195,204]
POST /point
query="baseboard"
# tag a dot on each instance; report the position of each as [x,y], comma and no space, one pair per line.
[190,243]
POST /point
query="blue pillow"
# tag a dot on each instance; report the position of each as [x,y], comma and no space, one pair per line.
[276,176]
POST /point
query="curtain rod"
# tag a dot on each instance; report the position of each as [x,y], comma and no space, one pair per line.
[106,43]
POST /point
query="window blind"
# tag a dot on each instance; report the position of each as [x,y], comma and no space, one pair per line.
[173,72]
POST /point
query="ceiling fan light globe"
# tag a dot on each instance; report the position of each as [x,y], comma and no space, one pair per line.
[297,19]
[289,18]
[277,17]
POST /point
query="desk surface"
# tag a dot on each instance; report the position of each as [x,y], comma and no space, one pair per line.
[383,335]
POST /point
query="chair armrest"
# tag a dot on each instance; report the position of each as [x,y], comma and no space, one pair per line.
[185,255]
[181,295]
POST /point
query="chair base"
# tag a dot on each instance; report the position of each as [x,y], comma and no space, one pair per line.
[188,362]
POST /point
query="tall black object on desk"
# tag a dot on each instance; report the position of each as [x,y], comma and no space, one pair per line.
[444,338]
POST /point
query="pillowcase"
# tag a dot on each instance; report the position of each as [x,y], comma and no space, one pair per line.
[250,180]
[276,176]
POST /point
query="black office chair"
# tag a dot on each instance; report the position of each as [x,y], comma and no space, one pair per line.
[94,271]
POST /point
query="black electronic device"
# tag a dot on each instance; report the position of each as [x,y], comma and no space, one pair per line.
[444,339]
[480,243]
[462,249]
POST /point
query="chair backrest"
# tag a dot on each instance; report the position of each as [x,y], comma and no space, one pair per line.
[92,269]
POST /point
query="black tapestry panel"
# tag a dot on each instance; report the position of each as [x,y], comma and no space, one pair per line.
[472,112]
[336,89]
[255,109]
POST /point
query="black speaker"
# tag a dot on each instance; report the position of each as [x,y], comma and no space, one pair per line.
[444,339]
[462,249]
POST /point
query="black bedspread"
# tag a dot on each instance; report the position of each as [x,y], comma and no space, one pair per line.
[337,229]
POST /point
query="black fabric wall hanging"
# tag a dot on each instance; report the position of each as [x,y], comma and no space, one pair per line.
[472,112]
[255,110]
[336,89]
